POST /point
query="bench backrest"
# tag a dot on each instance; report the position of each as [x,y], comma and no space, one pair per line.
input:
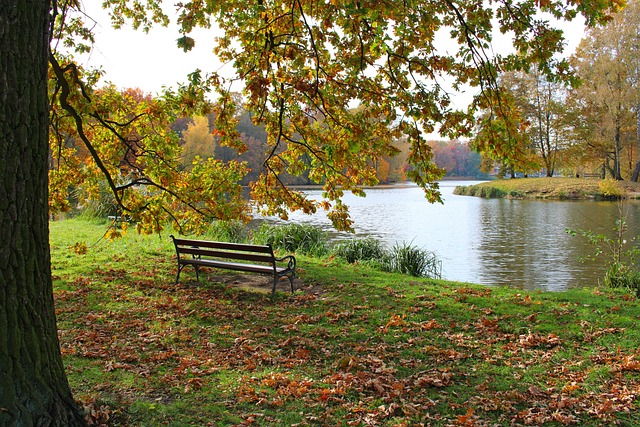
[237,251]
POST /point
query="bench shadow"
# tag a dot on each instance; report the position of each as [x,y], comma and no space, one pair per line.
[254,282]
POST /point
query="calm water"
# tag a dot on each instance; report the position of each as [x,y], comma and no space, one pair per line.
[519,243]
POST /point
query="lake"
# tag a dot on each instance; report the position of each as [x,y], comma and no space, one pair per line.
[518,243]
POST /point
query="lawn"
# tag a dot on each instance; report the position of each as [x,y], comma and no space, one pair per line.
[353,347]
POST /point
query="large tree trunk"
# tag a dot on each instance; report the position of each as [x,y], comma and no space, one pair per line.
[33,386]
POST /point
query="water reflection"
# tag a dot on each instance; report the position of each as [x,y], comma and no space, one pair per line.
[518,243]
[524,244]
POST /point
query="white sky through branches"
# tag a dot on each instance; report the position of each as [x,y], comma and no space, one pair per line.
[131,58]
[150,61]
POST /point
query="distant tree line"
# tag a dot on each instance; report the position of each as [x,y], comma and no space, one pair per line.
[535,124]
[197,139]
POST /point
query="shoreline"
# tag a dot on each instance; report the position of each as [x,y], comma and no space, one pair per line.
[553,189]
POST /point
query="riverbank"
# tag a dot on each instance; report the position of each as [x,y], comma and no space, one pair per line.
[353,346]
[553,188]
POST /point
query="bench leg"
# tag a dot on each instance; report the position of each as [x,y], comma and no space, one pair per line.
[180,267]
[178,275]
[273,291]
[291,277]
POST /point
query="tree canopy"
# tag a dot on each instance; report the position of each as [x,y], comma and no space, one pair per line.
[580,126]
[608,61]
[334,83]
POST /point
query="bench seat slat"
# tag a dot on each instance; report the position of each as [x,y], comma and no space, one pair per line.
[256,257]
[224,245]
[255,268]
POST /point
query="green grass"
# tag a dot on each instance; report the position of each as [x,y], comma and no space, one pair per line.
[402,258]
[293,237]
[552,188]
[359,250]
[372,348]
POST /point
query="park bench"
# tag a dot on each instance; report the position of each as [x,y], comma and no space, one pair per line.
[233,256]
[591,175]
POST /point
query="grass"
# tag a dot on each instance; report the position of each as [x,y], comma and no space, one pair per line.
[552,188]
[360,249]
[372,349]
[401,258]
[302,238]
[408,259]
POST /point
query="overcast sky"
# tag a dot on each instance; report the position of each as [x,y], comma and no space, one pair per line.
[149,61]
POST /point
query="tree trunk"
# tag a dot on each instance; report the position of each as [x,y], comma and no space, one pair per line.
[33,386]
[636,171]
[616,156]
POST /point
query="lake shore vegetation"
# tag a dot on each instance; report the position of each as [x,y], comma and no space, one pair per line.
[556,188]
[353,346]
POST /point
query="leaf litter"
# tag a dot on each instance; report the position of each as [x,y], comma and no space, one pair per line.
[422,354]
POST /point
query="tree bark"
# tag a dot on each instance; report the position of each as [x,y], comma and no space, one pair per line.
[636,171]
[33,386]
[616,155]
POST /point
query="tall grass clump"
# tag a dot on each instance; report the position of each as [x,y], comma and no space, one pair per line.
[402,258]
[485,191]
[490,192]
[300,238]
[408,259]
[228,231]
[101,208]
[463,190]
[359,250]
[623,276]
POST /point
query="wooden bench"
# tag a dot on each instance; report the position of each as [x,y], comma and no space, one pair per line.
[233,256]
[591,175]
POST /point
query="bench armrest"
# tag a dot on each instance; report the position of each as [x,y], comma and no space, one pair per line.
[291,261]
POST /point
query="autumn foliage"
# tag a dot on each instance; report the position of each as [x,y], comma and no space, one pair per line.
[333,83]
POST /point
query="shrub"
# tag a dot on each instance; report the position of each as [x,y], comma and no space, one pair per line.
[359,250]
[407,259]
[610,189]
[479,191]
[462,190]
[623,276]
[302,238]
[490,192]
[621,255]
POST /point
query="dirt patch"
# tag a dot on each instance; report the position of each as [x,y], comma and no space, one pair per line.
[256,282]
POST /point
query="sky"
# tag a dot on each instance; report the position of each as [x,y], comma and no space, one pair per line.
[150,61]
